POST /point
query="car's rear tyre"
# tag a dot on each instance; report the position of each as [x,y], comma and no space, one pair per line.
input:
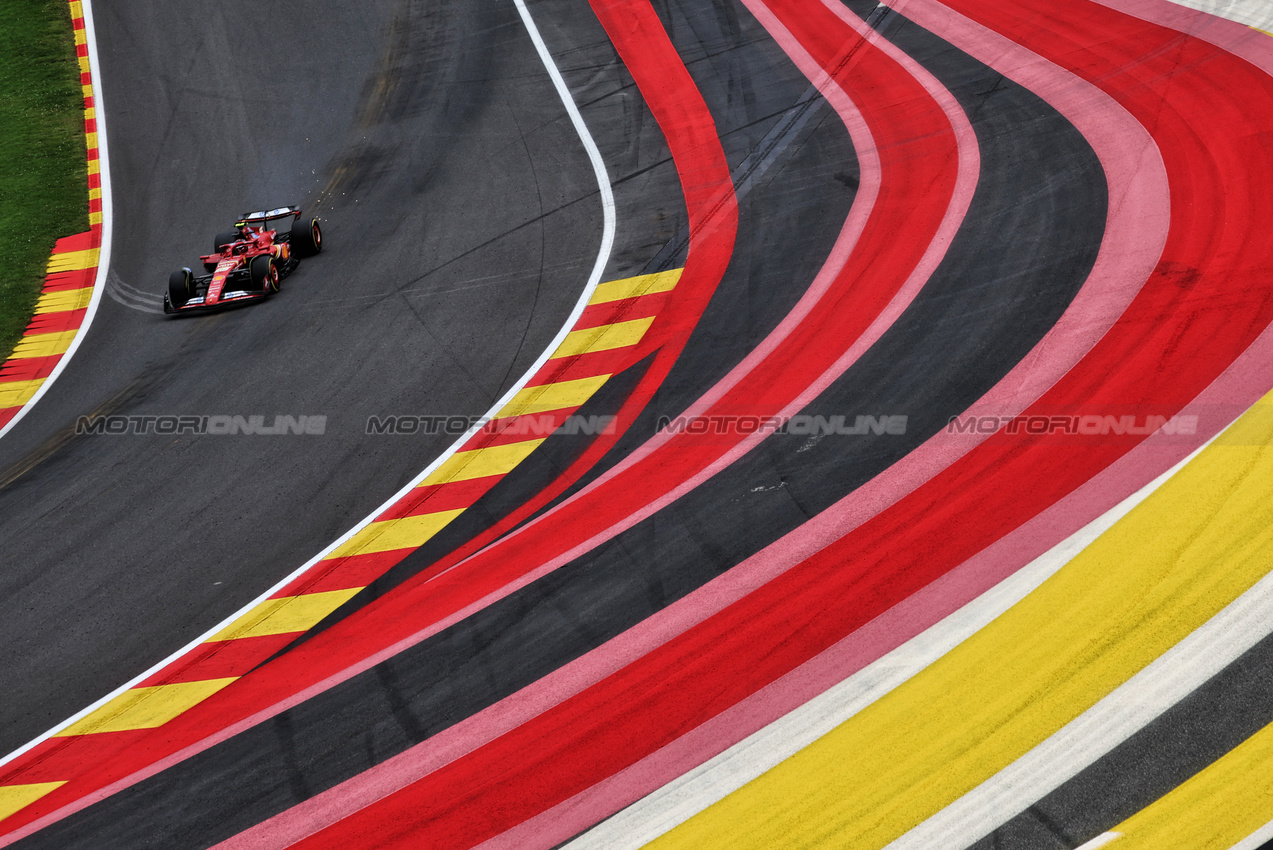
[306,238]
[228,237]
[264,274]
[180,287]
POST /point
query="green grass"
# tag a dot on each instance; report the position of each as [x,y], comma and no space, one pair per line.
[43,179]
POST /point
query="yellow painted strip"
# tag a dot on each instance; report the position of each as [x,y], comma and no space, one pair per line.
[66,299]
[1186,552]
[286,614]
[77,10]
[146,708]
[479,463]
[74,260]
[631,287]
[604,337]
[1216,808]
[404,533]
[94,194]
[18,393]
[94,218]
[90,113]
[14,798]
[43,345]
[558,396]
[1266,32]
[87,88]
[90,141]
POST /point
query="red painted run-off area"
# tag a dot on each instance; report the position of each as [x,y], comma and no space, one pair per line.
[1209,112]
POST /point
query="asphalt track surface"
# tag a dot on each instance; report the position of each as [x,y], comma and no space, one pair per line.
[388,139]
[462,219]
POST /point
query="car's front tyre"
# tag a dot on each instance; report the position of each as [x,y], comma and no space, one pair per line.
[180,287]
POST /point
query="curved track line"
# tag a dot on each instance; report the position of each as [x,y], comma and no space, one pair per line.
[1134,236]
[952,215]
[702,785]
[603,255]
[107,226]
[1126,710]
[1174,593]
[402,603]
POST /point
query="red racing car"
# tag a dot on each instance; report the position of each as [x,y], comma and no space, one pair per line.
[246,263]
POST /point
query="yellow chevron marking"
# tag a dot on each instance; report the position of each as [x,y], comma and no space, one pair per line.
[631,287]
[558,396]
[285,614]
[146,708]
[18,393]
[66,299]
[1187,551]
[604,337]
[43,345]
[403,533]
[14,798]
[73,260]
[479,463]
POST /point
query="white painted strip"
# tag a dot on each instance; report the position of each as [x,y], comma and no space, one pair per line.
[103,262]
[693,792]
[599,266]
[1080,743]
[1100,840]
[1253,13]
[1257,839]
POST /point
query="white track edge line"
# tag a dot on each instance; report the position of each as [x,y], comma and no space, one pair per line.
[696,790]
[1257,839]
[103,261]
[603,257]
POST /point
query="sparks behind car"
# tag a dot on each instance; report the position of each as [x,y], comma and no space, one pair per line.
[246,264]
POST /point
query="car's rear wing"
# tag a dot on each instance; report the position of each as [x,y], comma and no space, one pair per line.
[267,215]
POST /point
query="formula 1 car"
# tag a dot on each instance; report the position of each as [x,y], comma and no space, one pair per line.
[246,264]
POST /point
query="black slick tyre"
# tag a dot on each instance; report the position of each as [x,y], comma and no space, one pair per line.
[306,238]
[180,287]
[264,274]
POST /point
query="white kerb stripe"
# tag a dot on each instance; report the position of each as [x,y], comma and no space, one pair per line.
[678,801]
